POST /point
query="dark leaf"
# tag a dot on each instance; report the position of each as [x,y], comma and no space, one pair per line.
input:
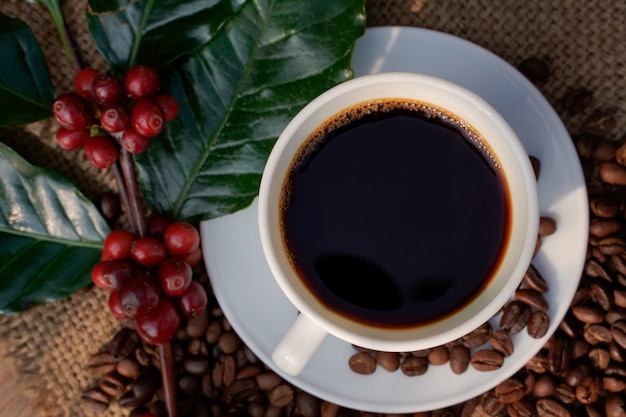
[154,32]
[26,94]
[50,235]
[237,93]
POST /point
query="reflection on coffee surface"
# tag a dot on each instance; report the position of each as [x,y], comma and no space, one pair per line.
[395,214]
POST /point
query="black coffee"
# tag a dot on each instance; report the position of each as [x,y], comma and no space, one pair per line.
[395,214]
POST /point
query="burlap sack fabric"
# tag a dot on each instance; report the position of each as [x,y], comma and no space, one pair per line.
[583,40]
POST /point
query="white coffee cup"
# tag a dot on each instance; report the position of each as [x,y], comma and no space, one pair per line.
[315,320]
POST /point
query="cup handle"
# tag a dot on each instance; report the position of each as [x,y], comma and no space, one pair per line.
[298,345]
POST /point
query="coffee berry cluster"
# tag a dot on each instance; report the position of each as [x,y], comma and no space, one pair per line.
[150,278]
[104,112]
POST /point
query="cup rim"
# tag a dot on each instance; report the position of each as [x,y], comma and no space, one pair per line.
[421,337]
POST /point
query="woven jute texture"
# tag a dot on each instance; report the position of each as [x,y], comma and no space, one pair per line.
[583,40]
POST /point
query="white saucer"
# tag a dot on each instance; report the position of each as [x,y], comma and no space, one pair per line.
[261,314]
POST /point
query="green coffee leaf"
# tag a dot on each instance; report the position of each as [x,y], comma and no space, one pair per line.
[50,235]
[26,94]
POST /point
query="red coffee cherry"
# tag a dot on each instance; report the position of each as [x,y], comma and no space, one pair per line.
[142,81]
[84,80]
[96,275]
[71,140]
[117,244]
[160,325]
[157,223]
[193,301]
[169,106]
[175,276]
[148,251]
[147,117]
[114,305]
[72,111]
[133,142]
[181,239]
[114,117]
[116,272]
[107,89]
[138,296]
[102,151]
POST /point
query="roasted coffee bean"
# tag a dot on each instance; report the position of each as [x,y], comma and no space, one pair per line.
[548,407]
[478,336]
[389,361]
[486,360]
[588,313]
[539,362]
[545,386]
[615,405]
[547,226]
[268,381]
[306,405]
[600,123]
[617,353]
[248,371]
[124,343]
[94,400]
[514,317]
[229,342]
[523,408]
[577,100]
[197,326]
[565,393]
[600,357]
[240,390]
[362,363]
[213,331]
[510,390]
[113,384]
[533,298]
[501,342]
[491,405]
[534,280]
[224,371]
[128,400]
[605,206]
[189,385]
[538,324]
[619,296]
[613,173]
[614,315]
[600,227]
[537,70]
[198,347]
[281,395]
[618,333]
[468,408]
[589,390]
[414,365]
[146,385]
[459,359]
[101,363]
[439,355]
[196,365]
[597,333]
[559,354]
[578,370]
[328,409]
[143,358]
[601,293]
[128,367]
